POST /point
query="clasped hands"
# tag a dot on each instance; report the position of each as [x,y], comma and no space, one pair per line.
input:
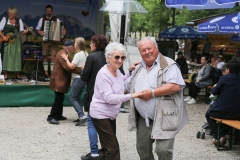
[144,95]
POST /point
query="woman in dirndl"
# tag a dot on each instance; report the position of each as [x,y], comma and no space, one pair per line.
[12,52]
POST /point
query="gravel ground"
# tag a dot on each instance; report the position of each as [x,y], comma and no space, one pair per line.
[26,135]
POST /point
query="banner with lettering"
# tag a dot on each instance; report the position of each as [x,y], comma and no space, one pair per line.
[79,16]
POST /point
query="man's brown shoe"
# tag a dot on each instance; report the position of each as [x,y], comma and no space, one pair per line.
[214,141]
[223,141]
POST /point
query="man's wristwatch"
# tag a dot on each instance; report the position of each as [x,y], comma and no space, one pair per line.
[153,95]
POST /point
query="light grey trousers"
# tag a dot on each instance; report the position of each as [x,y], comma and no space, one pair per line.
[164,147]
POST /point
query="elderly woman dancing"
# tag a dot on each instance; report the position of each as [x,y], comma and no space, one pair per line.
[107,99]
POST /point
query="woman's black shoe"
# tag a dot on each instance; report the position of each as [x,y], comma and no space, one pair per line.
[77,120]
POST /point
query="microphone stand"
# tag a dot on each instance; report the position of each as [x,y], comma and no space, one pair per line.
[36,81]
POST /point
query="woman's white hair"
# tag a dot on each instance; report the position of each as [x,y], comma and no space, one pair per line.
[113,47]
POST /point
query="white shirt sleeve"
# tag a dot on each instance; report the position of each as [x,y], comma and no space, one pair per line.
[21,25]
[76,58]
[221,65]
[39,26]
[2,23]
[174,75]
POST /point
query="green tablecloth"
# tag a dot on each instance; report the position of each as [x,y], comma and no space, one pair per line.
[19,95]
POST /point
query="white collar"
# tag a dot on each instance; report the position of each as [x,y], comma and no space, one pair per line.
[49,17]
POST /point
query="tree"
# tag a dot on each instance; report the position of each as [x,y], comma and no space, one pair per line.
[156,19]
[159,17]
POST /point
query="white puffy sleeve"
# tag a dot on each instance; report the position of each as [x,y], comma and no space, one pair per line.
[2,23]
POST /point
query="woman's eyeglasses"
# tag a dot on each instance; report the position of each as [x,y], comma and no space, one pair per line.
[118,57]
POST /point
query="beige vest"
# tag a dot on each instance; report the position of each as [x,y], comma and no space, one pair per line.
[170,111]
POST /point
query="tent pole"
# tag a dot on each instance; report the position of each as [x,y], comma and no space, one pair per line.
[122,29]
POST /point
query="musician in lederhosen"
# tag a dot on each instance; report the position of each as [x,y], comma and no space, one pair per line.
[48,46]
[12,47]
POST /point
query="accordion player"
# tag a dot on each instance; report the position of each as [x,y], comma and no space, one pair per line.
[52,31]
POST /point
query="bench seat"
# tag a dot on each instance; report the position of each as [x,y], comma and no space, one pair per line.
[231,123]
[207,90]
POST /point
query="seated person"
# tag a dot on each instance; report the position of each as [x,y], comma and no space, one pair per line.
[214,59]
[182,62]
[228,101]
[220,63]
[202,80]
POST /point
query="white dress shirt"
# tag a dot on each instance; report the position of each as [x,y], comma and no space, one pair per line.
[39,26]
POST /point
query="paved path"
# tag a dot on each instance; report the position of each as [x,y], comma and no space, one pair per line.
[133,54]
[26,135]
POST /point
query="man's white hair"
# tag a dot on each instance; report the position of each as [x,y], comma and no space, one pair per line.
[152,39]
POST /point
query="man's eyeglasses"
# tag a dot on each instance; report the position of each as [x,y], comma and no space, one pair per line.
[220,57]
[118,57]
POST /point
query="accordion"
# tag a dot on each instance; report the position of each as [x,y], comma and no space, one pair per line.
[53,31]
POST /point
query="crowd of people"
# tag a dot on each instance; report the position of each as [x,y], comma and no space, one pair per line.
[108,88]
[154,86]
[225,85]
[106,91]
[11,47]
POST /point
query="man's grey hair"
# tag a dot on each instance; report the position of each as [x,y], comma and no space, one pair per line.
[66,47]
[113,47]
[147,38]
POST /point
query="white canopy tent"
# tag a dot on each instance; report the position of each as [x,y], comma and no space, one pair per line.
[118,10]
[115,25]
